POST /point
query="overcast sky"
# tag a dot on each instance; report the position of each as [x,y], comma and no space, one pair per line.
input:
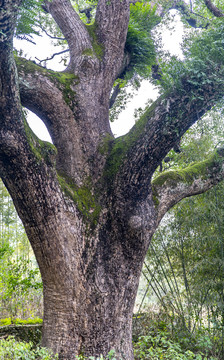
[44,48]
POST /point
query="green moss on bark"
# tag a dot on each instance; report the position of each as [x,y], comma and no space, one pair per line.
[64,80]
[88,52]
[43,150]
[122,145]
[105,145]
[155,197]
[203,170]
[98,49]
[83,197]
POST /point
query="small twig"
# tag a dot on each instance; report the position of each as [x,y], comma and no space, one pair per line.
[47,59]
[196,14]
[188,15]
[24,37]
[50,36]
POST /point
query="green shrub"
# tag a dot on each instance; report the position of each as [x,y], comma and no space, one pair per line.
[10,349]
[201,340]
[109,356]
[9,321]
[160,347]
[5,322]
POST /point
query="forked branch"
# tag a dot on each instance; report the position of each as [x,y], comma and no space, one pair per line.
[50,36]
[50,58]
[172,186]
[38,86]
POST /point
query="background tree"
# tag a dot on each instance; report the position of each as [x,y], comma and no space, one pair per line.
[184,264]
[186,253]
[20,284]
[87,202]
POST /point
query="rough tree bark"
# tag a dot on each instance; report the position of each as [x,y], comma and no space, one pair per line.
[87,203]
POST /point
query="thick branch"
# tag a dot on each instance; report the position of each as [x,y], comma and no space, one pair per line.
[50,96]
[71,26]
[10,108]
[112,19]
[214,10]
[192,18]
[8,14]
[22,165]
[135,156]
[172,186]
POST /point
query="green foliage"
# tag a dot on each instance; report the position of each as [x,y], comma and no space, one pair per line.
[139,42]
[110,356]
[157,324]
[185,267]
[32,19]
[5,249]
[185,263]
[205,13]
[8,321]
[18,282]
[160,346]
[209,43]
[10,349]
[203,66]
[28,19]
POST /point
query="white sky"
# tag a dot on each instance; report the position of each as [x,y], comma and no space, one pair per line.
[44,48]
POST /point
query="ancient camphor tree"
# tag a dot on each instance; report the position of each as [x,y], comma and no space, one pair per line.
[88,203]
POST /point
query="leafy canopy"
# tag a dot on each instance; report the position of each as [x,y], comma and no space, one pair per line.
[139,43]
[203,56]
[28,19]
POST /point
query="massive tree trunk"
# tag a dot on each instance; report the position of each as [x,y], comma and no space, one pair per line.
[87,203]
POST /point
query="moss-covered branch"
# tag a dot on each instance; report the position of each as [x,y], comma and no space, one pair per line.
[52,97]
[172,186]
[186,99]
[29,71]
